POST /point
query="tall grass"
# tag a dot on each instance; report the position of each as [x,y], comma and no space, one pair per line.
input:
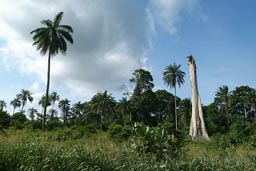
[24,151]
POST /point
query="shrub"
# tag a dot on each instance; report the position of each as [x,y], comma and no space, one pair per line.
[18,120]
[155,140]
[53,124]
[119,132]
[4,119]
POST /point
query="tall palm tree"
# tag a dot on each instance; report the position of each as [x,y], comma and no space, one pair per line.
[173,76]
[16,102]
[52,39]
[2,105]
[25,96]
[103,103]
[64,106]
[54,97]
[223,94]
[32,112]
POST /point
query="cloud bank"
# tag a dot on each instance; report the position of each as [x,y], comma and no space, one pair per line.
[110,40]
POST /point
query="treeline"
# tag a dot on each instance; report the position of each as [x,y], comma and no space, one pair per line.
[143,105]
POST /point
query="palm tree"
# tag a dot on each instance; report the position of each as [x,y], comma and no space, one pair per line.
[173,76]
[53,113]
[42,102]
[124,107]
[103,103]
[2,105]
[185,108]
[52,39]
[24,96]
[32,112]
[54,97]
[223,95]
[77,109]
[15,103]
[64,106]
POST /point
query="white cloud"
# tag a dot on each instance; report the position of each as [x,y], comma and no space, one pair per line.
[110,41]
[168,13]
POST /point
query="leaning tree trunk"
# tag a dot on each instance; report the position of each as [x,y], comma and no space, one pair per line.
[197,125]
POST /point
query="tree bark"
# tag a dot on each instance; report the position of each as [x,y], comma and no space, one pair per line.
[175,105]
[226,110]
[47,90]
[197,125]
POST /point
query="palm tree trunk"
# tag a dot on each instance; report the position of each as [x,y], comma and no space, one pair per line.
[22,107]
[13,110]
[101,121]
[245,112]
[53,103]
[226,109]
[47,90]
[123,118]
[175,104]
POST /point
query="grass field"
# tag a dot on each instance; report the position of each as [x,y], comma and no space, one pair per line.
[27,150]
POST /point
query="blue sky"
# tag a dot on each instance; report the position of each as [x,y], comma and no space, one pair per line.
[113,38]
[223,44]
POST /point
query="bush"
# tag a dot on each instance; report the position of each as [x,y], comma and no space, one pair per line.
[118,132]
[90,129]
[53,124]
[155,140]
[18,120]
[4,119]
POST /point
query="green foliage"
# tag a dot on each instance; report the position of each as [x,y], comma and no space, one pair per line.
[37,156]
[53,124]
[119,132]
[33,125]
[25,150]
[18,120]
[5,119]
[164,106]
[238,132]
[72,133]
[155,140]
[90,129]
[216,120]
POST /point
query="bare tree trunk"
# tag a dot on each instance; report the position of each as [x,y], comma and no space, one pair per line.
[197,125]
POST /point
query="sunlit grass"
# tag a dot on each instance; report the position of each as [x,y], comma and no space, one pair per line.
[27,150]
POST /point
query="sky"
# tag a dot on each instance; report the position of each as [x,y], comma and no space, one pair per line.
[112,38]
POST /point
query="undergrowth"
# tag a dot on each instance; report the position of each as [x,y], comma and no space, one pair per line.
[25,150]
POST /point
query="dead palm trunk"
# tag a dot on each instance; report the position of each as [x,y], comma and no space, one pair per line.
[197,124]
